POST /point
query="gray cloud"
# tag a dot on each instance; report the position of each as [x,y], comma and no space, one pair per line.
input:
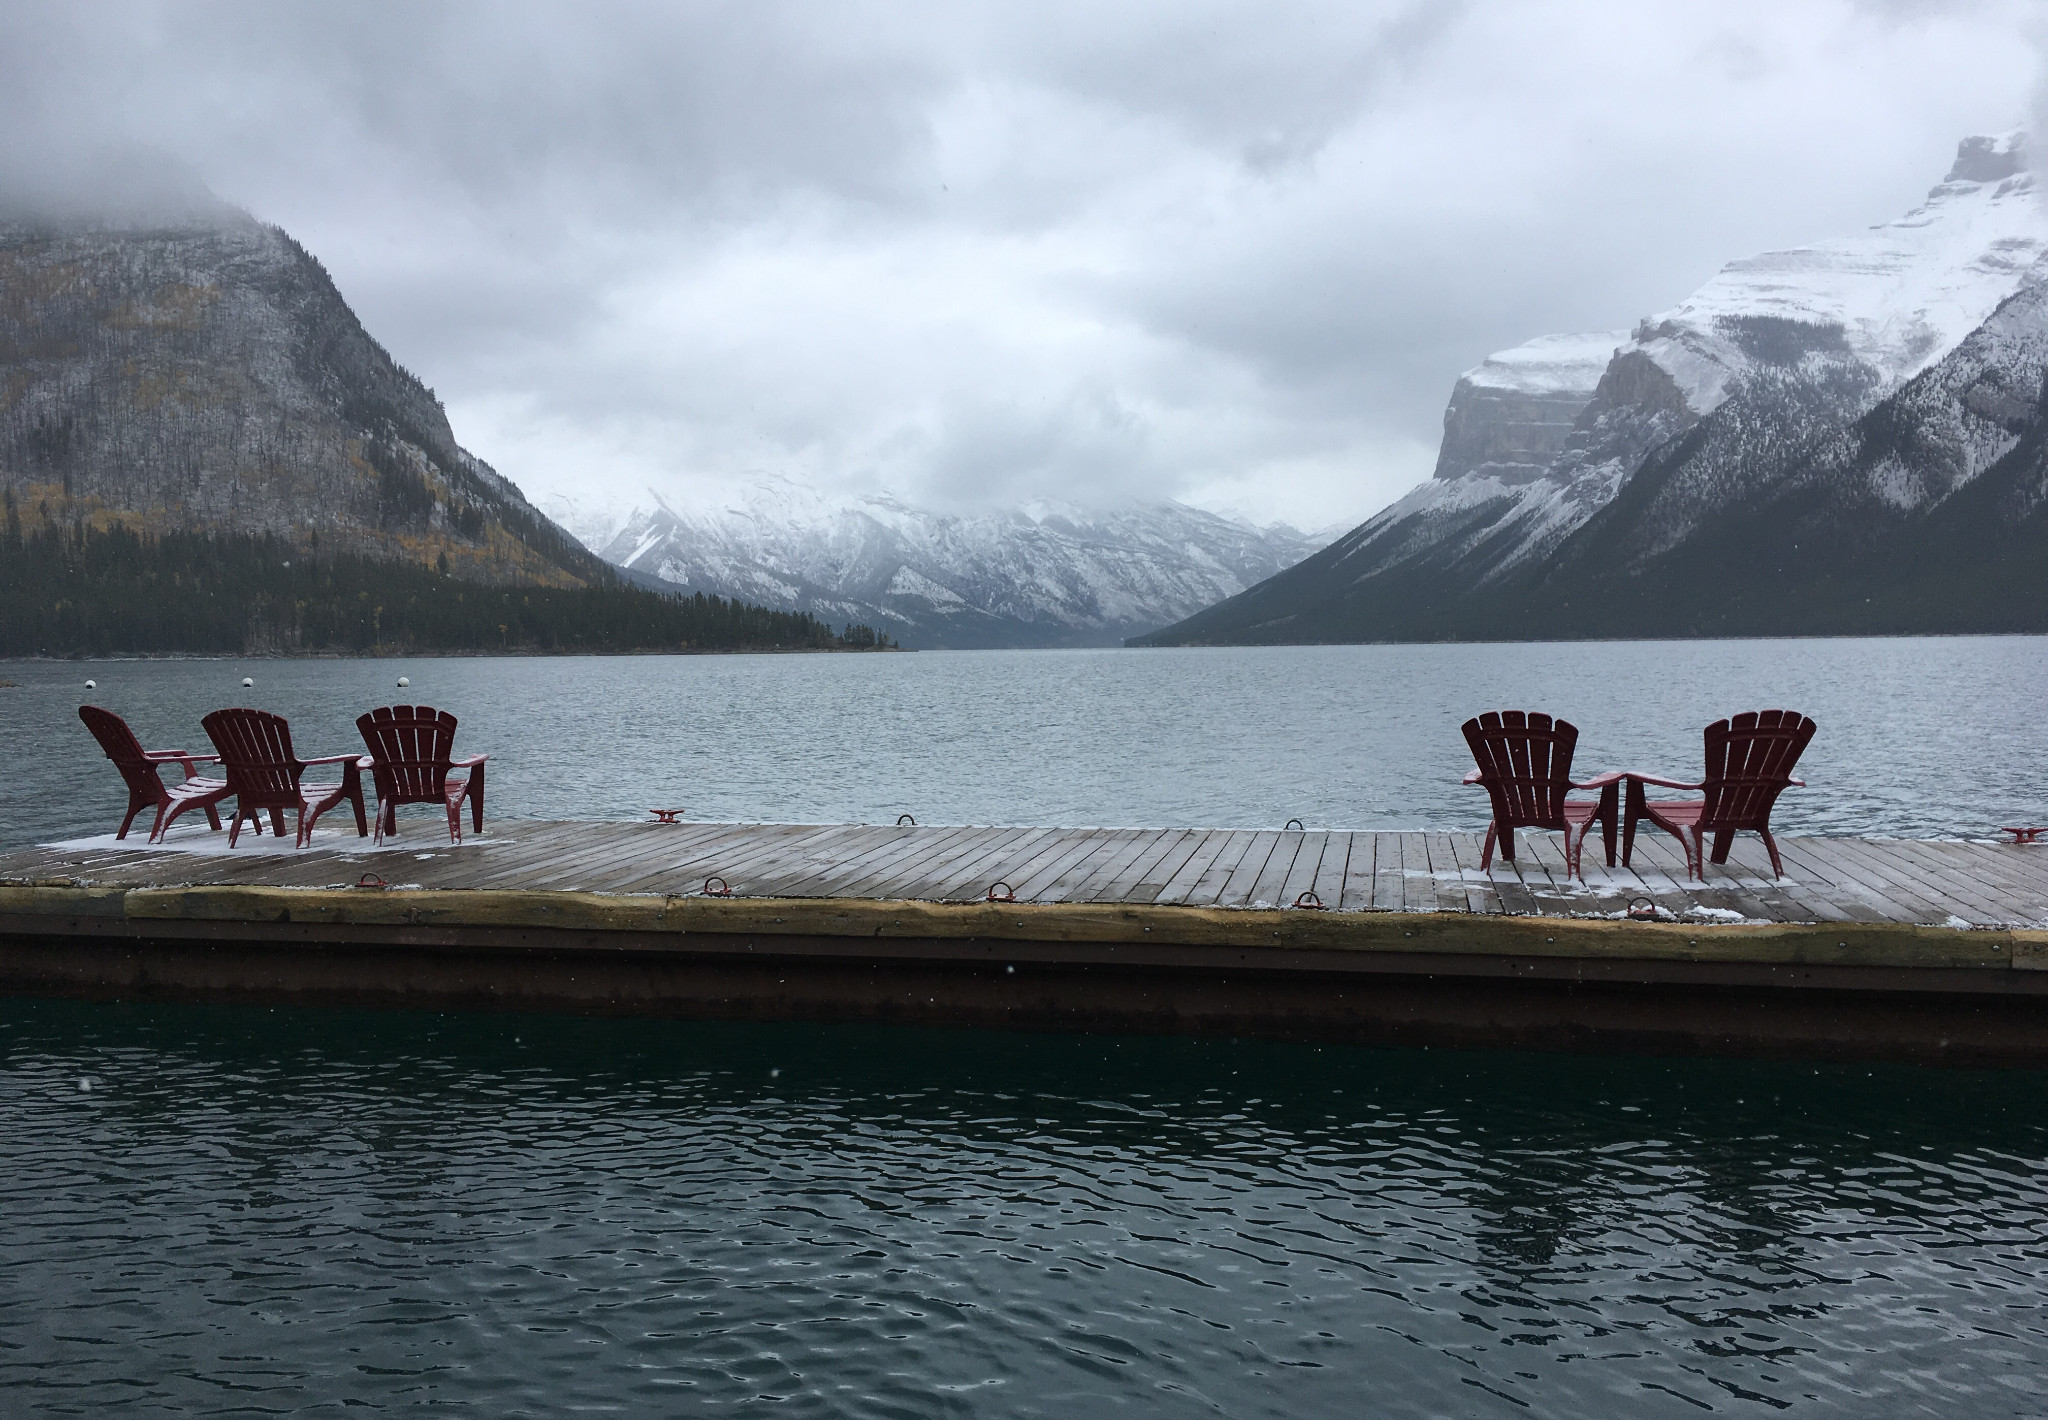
[991,253]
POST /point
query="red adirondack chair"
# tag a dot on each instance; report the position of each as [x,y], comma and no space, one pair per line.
[1750,758]
[146,788]
[411,758]
[1525,766]
[256,749]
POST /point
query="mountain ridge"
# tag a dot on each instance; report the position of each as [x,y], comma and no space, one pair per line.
[1043,575]
[209,374]
[1735,400]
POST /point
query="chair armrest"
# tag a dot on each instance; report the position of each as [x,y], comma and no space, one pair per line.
[1474,777]
[355,759]
[1601,781]
[1796,783]
[1662,782]
[178,756]
[469,763]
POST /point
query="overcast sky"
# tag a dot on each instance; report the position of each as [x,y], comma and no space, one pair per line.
[1234,254]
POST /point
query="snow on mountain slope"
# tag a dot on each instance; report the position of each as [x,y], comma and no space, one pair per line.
[1945,427]
[1042,575]
[1510,415]
[1806,340]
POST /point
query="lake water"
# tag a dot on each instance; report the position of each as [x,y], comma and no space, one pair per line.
[307,1212]
[1936,736]
[251,1212]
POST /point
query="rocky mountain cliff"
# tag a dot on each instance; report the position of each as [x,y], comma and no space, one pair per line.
[1042,576]
[1762,458]
[202,373]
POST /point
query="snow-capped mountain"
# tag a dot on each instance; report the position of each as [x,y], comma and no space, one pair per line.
[1511,415]
[1042,575]
[1744,391]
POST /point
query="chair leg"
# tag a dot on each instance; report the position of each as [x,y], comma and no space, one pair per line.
[1574,849]
[136,804]
[1507,844]
[1629,820]
[1723,840]
[311,806]
[212,819]
[235,828]
[277,822]
[476,798]
[453,804]
[1486,852]
[1771,847]
[156,829]
[352,790]
[1695,855]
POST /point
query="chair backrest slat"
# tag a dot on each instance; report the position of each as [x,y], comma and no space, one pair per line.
[1525,762]
[1750,759]
[410,747]
[123,748]
[256,750]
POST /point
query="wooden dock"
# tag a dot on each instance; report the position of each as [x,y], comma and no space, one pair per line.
[1903,948]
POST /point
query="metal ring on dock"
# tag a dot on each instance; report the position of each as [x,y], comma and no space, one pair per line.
[902,819]
[1001,892]
[1310,901]
[1295,825]
[371,880]
[724,888]
[1641,909]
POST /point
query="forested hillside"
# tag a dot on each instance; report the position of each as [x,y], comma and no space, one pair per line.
[202,450]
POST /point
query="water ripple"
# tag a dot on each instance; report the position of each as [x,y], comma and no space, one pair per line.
[259,1213]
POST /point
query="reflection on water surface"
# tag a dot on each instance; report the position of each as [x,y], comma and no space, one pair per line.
[258,1212]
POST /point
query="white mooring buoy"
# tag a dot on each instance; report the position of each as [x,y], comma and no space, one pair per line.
[92,685]
[404,681]
[248,681]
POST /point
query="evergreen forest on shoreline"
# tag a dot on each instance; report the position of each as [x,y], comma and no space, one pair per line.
[85,591]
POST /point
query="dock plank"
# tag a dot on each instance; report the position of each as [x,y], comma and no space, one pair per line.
[1328,883]
[1244,878]
[926,879]
[1188,878]
[1950,898]
[1927,882]
[1301,874]
[674,864]
[1481,895]
[1851,880]
[2022,901]
[885,870]
[1167,867]
[1209,891]
[769,865]
[1389,886]
[1269,888]
[1104,859]
[871,849]
[1068,847]
[972,876]
[1131,877]
[1358,873]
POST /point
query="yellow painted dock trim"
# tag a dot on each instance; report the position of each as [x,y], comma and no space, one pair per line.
[1838,944]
